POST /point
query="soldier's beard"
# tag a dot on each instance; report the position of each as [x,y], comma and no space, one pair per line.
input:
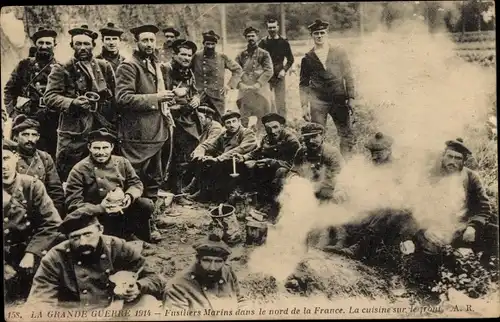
[84,54]
[27,148]
[44,54]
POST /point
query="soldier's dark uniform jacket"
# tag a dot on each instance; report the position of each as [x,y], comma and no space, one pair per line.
[65,280]
[29,79]
[113,59]
[41,166]
[282,151]
[90,182]
[190,291]
[321,167]
[209,75]
[30,220]
[227,144]
[66,82]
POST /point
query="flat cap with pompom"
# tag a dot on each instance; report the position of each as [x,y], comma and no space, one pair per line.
[379,142]
[317,25]
[459,146]
[23,122]
[212,245]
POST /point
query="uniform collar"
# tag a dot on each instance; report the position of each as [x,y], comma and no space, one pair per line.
[109,55]
[230,135]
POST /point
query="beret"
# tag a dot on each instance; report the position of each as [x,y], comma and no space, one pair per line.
[379,142]
[249,30]
[312,129]
[183,43]
[144,28]
[318,25]
[210,36]
[212,245]
[23,122]
[111,30]
[459,146]
[9,145]
[230,114]
[43,32]
[101,135]
[206,110]
[270,117]
[172,30]
[78,219]
[83,30]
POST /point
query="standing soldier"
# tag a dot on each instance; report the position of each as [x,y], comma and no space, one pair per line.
[188,128]
[111,45]
[83,90]
[327,85]
[171,34]
[279,49]
[30,224]
[142,128]
[26,86]
[35,162]
[254,97]
[209,68]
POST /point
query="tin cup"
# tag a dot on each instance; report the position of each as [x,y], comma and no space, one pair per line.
[224,216]
[94,100]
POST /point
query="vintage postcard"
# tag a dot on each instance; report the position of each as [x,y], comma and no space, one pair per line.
[331,160]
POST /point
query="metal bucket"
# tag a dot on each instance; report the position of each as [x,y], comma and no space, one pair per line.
[94,100]
[224,217]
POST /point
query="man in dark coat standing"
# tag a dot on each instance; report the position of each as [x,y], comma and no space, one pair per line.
[23,92]
[30,223]
[82,89]
[254,96]
[111,45]
[327,85]
[167,51]
[81,272]
[109,181]
[37,163]
[279,49]
[209,68]
[142,127]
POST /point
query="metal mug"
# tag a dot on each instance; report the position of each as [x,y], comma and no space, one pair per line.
[94,98]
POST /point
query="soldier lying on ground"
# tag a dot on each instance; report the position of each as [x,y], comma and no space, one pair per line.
[96,180]
[318,161]
[26,86]
[35,162]
[214,157]
[210,283]
[267,166]
[30,224]
[76,272]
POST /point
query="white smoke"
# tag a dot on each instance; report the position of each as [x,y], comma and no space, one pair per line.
[13,28]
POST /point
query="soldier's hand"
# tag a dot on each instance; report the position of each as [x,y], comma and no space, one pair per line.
[407,247]
[165,95]
[108,207]
[126,201]
[195,102]
[250,164]
[282,73]
[306,113]
[8,272]
[81,102]
[469,234]
[239,157]
[131,293]
[225,90]
[435,236]
[28,261]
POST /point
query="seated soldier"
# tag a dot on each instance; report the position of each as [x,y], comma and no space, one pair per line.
[210,283]
[211,130]
[480,224]
[110,183]
[34,162]
[79,272]
[269,164]
[318,161]
[30,223]
[215,158]
[380,147]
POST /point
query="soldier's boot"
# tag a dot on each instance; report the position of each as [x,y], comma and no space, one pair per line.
[183,201]
[191,187]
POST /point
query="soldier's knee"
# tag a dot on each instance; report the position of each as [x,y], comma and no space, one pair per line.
[145,205]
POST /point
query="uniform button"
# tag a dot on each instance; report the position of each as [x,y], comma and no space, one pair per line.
[6,219]
[9,241]
[67,250]
[101,189]
[95,168]
[103,256]
[107,271]
[107,284]
[109,297]
[205,288]
[221,281]
[28,223]
[25,215]
[84,291]
[44,252]
[79,263]
[6,231]
[192,277]
[24,201]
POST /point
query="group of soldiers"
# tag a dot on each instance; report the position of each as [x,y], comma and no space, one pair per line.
[95,142]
